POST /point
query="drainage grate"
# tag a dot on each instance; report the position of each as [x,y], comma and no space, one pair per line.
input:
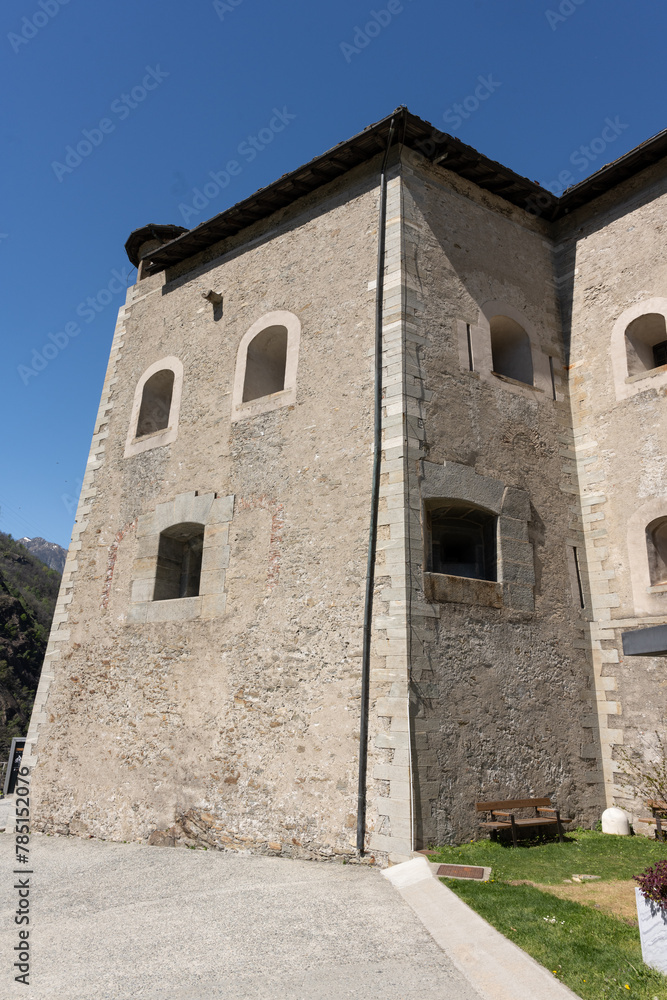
[460,871]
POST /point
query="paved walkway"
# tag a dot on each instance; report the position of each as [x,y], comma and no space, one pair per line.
[126,921]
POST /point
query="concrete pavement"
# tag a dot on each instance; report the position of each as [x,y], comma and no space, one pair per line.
[492,964]
[123,921]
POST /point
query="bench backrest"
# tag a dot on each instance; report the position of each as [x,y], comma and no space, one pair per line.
[512,804]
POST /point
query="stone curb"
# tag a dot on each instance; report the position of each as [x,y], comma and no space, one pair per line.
[494,966]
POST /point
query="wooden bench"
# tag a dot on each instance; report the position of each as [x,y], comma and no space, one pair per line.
[503,818]
[659,816]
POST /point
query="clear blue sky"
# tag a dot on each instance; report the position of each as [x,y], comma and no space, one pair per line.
[557,71]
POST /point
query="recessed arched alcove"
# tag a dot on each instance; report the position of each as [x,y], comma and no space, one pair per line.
[265,363]
[510,348]
[646,343]
[156,403]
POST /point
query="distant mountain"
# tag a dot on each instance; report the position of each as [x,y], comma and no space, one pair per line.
[28,593]
[48,552]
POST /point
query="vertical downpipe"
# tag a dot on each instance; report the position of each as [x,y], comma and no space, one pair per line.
[375,494]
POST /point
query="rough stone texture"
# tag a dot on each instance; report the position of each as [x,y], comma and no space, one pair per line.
[241,728]
[610,261]
[232,719]
[500,695]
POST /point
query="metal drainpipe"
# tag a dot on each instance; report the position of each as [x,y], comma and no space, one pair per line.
[375,494]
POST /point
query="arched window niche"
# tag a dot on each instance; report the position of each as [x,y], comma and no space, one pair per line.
[510,349]
[646,343]
[179,562]
[656,545]
[266,365]
[638,348]
[156,403]
[156,407]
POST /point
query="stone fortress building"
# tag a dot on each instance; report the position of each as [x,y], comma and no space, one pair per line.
[206,680]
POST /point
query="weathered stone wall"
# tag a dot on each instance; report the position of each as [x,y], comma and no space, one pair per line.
[612,270]
[502,696]
[239,727]
[232,718]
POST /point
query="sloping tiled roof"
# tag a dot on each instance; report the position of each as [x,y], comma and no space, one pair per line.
[439,147]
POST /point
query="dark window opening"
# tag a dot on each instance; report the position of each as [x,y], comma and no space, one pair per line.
[462,542]
[660,354]
[265,363]
[646,343]
[510,348]
[179,562]
[156,403]
[656,543]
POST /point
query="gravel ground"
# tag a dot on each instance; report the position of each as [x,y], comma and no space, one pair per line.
[129,921]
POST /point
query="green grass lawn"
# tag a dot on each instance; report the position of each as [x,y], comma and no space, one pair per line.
[584,853]
[596,955]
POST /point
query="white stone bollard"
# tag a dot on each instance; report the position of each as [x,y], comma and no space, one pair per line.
[616,820]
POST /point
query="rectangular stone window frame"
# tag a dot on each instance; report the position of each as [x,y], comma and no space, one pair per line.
[515,580]
[215,513]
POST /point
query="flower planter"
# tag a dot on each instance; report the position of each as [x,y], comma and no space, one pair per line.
[652,932]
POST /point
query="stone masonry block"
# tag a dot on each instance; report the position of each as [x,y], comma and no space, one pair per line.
[146,524]
[144,569]
[518,573]
[216,558]
[137,614]
[390,741]
[213,605]
[147,546]
[460,482]
[387,772]
[212,583]
[396,811]
[182,609]
[395,845]
[222,509]
[142,590]
[517,552]
[193,509]
[512,527]
[216,534]
[164,516]
[516,503]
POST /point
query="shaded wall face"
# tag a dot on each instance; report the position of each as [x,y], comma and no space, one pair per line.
[617,302]
[242,724]
[502,695]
